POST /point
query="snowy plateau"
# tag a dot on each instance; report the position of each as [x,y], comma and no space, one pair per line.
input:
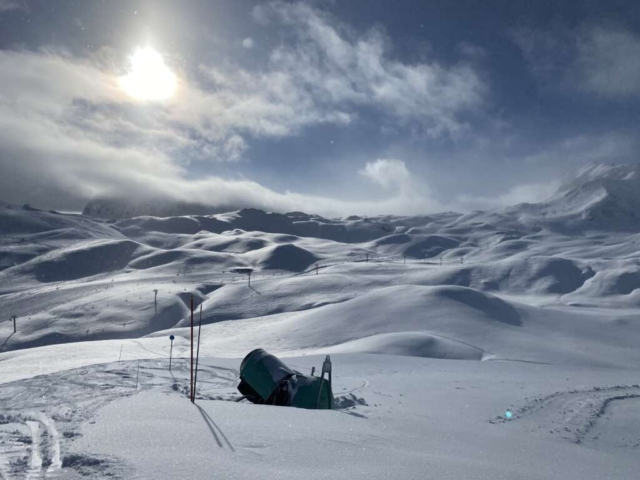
[437,326]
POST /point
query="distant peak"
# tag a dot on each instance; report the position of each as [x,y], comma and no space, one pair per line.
[600,173]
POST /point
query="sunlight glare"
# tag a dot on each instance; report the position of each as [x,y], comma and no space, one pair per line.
[149,78]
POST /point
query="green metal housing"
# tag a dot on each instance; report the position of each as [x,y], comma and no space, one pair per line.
[263,372]
[270,378]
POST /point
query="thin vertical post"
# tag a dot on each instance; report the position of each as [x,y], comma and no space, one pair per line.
[171,337]
[138,375]
[191,348]
[195,380]
[155,300]
[14,323]
[249,278]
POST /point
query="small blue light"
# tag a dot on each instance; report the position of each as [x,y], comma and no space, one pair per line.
[508,414]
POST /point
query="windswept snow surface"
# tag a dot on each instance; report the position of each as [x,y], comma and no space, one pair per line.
[436,325]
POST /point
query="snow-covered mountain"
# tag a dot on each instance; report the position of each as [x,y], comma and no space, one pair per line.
[604,197]
[435,323]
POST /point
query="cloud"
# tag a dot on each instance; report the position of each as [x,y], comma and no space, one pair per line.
[617,147]
[525,193]
[8,5]
[608,62]
[389,174]
[339,66]
[248,43]
[593,59]
[69,132]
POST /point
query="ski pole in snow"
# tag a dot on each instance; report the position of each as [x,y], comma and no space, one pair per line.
[171,337]
[13,317]
[138,374]
[191,348]
[195,380]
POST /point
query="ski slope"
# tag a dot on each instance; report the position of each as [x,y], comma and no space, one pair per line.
[436,326]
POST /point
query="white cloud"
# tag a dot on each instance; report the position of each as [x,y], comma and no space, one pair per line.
[525,193]
[584,149]
[596,59]
[388,173]
[7,5]
[339,66]
[608,61]
[68,132]
[248,43]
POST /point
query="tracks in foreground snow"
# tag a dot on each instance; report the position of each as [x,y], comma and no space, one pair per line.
[579,415]
[42,416]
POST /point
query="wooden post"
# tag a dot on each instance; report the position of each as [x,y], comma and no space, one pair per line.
[191,348]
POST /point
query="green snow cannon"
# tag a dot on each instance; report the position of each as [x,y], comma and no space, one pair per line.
[264,379]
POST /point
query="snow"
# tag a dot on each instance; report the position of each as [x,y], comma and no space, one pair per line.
[409,417]
[436,325]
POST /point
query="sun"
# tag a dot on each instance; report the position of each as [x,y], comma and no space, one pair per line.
[149,78]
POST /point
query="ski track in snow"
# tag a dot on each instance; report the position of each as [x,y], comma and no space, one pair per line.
[52,408]
[35,464]
[574,415]
[536,287]
[54,443]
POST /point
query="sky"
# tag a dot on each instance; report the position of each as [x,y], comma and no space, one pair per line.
[333,107]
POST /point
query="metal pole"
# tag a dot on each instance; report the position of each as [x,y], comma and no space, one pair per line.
[195,380]
[155,300]
[14,323]
[191,348]
[138,375]
[171,337]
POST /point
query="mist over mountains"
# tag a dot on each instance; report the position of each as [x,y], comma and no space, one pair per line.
[598,196]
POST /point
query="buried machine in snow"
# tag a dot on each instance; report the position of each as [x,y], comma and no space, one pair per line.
[264,379]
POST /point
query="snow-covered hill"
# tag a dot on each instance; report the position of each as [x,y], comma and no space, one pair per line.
[535,308]
[605,197]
